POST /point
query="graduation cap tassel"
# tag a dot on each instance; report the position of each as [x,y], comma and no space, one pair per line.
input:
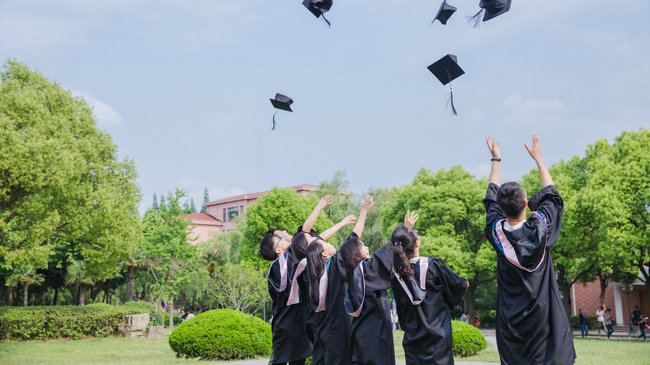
[329,25]
[476,19]
[274,120]
[451,101]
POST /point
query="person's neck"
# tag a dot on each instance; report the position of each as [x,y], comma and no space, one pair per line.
[513,221]
[416,253]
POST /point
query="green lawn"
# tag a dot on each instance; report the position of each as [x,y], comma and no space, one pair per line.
[115,350]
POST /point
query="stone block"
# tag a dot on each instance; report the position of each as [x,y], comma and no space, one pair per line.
[155,332]
[134,325]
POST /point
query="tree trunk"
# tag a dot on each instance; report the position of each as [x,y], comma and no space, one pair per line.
[469,295]
[130,287]
[25,293]
[11,295]
[565,288]
[82,294]
[56,295]
[171,312]
[604,281]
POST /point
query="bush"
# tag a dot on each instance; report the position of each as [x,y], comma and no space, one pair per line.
[44,322]
[591,322]
[468,340]
[222,334]
[177,320]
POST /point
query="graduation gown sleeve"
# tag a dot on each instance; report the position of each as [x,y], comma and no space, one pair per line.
[451,285]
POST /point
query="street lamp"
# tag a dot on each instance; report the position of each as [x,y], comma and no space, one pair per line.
[628,290]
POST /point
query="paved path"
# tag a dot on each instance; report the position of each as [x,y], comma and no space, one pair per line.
[489,337]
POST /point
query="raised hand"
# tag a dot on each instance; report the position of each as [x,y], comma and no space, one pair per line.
[325,201]
[410,218]
[348,220]
[536,151]
[493,146]
[367,203]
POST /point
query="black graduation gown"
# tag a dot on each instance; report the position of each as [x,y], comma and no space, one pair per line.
[372,333]
[332,333]
[290,342]
[312,319]
[531,325]
[427,325]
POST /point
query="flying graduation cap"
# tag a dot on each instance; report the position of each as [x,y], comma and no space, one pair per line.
[491,8]
[319,8]
[444,13]
[281,102]
[445,70]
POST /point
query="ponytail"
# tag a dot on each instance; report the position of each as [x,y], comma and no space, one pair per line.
[403,240]
[315,269]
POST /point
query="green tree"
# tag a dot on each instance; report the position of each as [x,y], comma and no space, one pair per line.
[451,224]
[279,209]
[155,201]
[206,199]
[192,206]
[79,274]
[60,178]
[25,276]
[239,286]
[166,249]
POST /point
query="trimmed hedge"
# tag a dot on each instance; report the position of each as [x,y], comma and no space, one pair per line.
[592,323]
[222,334]
[468,340]
[46,322]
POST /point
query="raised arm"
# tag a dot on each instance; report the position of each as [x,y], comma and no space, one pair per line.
[493,145]
[366,204]
[311,220]
[536,153]
[326,235]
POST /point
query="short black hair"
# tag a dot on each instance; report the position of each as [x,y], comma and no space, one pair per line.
[266,246]
[511,199]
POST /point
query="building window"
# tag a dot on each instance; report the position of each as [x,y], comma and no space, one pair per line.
[224,214]
[232,212]
[241,209]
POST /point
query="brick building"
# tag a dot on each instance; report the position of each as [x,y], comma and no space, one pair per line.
[617,297]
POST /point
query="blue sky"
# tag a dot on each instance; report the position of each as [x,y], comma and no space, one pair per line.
[183,86]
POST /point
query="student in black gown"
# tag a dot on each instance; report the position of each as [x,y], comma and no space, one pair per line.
[366,300]
[531,324]
[424,288]
[290,342]
[329,323]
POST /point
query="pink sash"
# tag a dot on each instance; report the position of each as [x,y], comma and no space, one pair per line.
[282,260]
[294,294]
[509,251]
[322,289]
[424,267]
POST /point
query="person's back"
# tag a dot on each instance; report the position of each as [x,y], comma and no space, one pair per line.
[531,325]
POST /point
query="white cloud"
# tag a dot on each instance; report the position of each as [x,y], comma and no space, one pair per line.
[104,114]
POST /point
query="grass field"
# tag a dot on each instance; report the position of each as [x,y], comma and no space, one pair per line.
[116,350]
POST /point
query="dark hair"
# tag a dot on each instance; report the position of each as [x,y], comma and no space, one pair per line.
[511,198]
[403,240]
[350,252]
[266,246]
[608,310]
[315,268]
[299,245]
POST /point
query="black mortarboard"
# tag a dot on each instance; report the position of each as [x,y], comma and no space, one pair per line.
[492,9]
[319,8]
[444,13]
[445,70]
[281,102]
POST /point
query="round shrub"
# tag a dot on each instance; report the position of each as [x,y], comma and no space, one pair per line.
[468,340]
[222,334]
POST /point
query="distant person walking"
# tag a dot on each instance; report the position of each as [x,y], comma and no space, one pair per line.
[643,325]
[464,317]
[584,329]
[600,318]
[636,317]
[608,322]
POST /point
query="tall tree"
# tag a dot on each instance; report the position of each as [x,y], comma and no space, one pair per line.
[206,199]
[60,178]
[79,274]
[25,276]
[451,224]
[155,201]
